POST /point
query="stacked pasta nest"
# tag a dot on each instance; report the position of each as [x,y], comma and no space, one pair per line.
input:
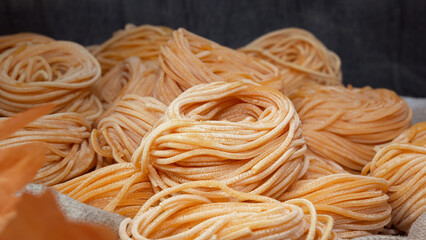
[193,140]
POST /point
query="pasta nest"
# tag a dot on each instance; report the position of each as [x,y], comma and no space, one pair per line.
[245,135]
[56,72]
[345,124]
[175,214]
[299,55]
[403,164]
[67,137]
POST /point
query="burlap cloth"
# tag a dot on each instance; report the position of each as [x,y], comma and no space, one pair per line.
[77,211]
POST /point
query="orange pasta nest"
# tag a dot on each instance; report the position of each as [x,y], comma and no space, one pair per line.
[119,134]
[14,40]
[118,188]
[403,164]
[56,72]
[67,137]
[299,55]
[172,213]
[358,204]
[344,124]
[245,135]
[188,60]
[140,41]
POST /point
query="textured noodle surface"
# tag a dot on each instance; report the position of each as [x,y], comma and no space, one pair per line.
[119,134]
[116,81]
[358,204]
[319,167]
[344,124]
[56,72]
[188,60]
[118,188]
[67,137]
[299,55]
[174,214]
[403,164]
[245,135]
[140,41]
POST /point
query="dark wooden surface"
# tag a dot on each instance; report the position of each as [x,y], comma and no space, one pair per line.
[382,43]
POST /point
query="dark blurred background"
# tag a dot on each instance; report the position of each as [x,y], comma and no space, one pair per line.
[382,43]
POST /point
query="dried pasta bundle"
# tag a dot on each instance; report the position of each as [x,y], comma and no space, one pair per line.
[119,134]
[56,72]
[188,60]
[109,86]
[245,135]
[67,138]
[140,41]
[14,40]
[358,204]
[127,77]
[403,164]
[174,214]
[319,167]
[299,55]
[344,124]
[118,188]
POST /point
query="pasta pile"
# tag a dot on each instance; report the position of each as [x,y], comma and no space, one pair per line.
[119,134]
[118,188]
[174,214]
[141,41]
[67,137]
[344,124]
[56,72]
[358,204]
[188,60]
[403,164]
[245,135]
[299,55]
[194,140]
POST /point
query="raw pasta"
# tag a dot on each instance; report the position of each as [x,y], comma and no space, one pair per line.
[403,164]
[56,72]
[358,204]
[245,135]
[118,188]
[140,41]
[188,60]
[173,214]
[299,55]
[118,135]
[67,137]
[344,124]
